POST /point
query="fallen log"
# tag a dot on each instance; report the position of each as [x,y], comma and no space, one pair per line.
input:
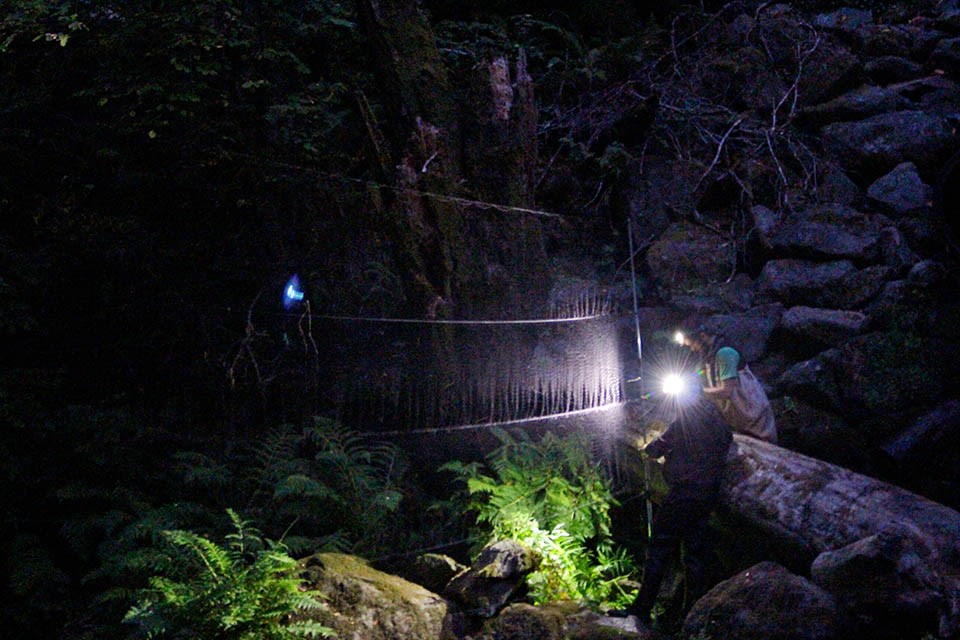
[815,507]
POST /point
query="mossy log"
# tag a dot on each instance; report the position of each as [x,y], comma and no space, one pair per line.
[817,506]
[813,506]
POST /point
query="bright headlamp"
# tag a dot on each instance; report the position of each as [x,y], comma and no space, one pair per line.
[679,338]
[674,385]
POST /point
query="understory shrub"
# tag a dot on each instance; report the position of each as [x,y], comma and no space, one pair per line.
[246,590]
[550,495]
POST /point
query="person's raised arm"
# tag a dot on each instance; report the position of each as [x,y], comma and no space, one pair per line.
[728,360]
[724,390]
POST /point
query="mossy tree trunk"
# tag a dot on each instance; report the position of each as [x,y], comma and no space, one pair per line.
[445,147]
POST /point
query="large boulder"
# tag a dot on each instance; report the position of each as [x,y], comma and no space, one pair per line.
[826,230]
[748,332]
[935,95]
[526,622]
[830,285]
[432,571]
[859,288]
[802,282]
[730,296]
[588,625]
[883,39]
[365,604]
[886,581]
[863,102]
[821,241]
[762,602]
[819,433]
[837,188]
[493,579]
[877,374]
[813,329]
[872,147]
[839,214]
[892,69]
[688,256]
[901,192]
[814,381]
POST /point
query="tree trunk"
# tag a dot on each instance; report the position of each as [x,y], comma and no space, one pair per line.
[420,130]
[814,506]
[453,256]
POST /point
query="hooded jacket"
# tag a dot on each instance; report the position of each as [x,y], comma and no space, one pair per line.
[694,447]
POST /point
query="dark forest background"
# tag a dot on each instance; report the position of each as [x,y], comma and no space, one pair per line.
[168,165]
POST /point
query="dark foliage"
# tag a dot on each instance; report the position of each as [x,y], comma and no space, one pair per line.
[167,165]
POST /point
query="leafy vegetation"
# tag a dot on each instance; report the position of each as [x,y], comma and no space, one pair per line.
[168,165]
[245,591]
[317,487]
[551,496]
[326,474]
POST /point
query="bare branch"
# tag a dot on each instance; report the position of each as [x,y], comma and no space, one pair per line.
[716,157]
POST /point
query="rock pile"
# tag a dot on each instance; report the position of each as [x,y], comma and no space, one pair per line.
[844,297]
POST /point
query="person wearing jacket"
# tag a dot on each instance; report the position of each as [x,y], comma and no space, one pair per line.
[746,410]
[694,449]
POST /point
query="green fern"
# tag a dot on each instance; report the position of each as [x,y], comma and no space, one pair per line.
[552,497]
[246,590]
[321,486]
[363,480]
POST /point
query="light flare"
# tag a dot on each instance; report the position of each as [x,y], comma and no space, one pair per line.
[674,384]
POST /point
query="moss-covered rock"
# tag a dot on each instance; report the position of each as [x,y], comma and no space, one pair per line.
[495,576]
[526,622]
[366,604]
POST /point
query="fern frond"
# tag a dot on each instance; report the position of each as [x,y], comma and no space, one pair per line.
[210,556]
[311,629]
[201,470]
[245,539]
[238,595]
[300,546]
[302,486]
[549,495]
[275,456]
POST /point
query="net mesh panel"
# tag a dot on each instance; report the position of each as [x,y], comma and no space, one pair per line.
[420,376]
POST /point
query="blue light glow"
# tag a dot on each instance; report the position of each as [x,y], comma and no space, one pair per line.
[292,294]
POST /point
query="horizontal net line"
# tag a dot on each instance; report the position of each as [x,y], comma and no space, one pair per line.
[487,425]
[441,197]
[474,322]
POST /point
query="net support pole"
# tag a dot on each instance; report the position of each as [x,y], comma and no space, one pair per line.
[633,290]
[636,326]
